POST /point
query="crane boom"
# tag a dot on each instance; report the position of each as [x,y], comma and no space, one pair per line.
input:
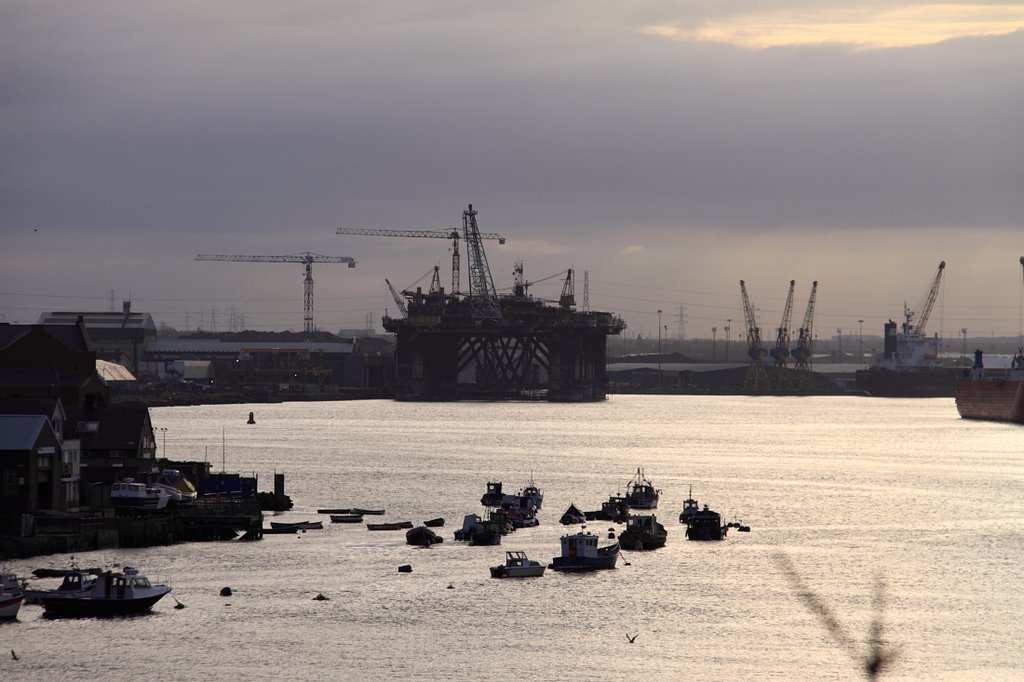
[398,299]
[757,378]
[452,234]
[306,258]
[782,335]
[925,307]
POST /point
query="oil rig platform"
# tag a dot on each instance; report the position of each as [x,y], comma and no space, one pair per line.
[482,346]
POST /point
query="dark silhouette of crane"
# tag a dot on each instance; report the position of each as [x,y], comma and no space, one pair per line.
[452,234]
[756,379]
[782,336]
[802,352]
[307,259]
[924,308]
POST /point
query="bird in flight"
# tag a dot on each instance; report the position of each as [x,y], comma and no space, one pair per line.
[633,638]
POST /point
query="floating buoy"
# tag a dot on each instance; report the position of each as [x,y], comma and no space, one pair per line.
[451,586]
[225,592]
[177,604]
[321,597]
[252,419]
[405,568]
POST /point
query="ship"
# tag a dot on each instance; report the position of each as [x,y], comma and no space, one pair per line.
[994,395]
[909,365]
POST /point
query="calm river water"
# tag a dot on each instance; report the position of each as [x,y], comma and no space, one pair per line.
[849,489]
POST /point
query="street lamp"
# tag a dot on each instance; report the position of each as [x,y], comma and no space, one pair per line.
[714,332]
[839,354]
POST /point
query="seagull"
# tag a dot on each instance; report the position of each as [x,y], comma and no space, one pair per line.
[633,638]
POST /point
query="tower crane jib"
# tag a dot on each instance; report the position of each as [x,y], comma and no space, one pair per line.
[306,258]
[924,309]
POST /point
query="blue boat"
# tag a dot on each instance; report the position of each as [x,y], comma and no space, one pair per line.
[581,553]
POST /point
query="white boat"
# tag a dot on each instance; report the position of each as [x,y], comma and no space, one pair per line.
[177,487]
[517,565]
[581,553]
[112,593]
[12,594]
[129,494]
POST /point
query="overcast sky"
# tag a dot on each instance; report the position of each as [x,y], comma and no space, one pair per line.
[669,149]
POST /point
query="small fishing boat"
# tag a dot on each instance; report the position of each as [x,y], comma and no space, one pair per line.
[332,510]
[528,499]
[279,531]
[616,509]
[346,518]
[421,536]
[299,525]
[434,523]
[706,525]
[517,565]
[367,512]
[641,493]
[479,531]
[397,525]
[690,508]
[130,494]
[643,532]
[581,553]
[113,593]
[12,594]
[572,515]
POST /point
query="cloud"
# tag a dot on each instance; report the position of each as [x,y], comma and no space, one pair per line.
[866,27]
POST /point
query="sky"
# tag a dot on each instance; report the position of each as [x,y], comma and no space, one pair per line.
[667,149]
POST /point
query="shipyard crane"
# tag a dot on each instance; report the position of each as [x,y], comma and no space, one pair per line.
[398,299]
[781,350]
[307,259]
[924,309]
[452,234]
[802,352]
[483,297]
[757,378]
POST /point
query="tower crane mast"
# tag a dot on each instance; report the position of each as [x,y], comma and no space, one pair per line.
[757,378]
[306,259]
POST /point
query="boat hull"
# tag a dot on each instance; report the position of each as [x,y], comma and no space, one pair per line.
[10,604]
[90,607]
[992,399]
[642,541]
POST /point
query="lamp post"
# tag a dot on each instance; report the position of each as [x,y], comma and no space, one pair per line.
[963,353]
[659,349]
[839,353]
[714,331]
[728,326]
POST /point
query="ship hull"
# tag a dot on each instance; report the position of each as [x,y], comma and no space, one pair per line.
[990,399]
[910,383]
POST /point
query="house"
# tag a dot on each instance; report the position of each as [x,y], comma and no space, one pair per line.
[50,361]
[30,468]
[68,462]
[116,442]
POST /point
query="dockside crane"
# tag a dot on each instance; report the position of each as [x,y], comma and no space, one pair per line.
[924,309]
[802,352]
[782,336]
[756,379]
[306,259]
[452,234]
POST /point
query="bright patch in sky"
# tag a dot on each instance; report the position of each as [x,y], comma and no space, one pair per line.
[863,27]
